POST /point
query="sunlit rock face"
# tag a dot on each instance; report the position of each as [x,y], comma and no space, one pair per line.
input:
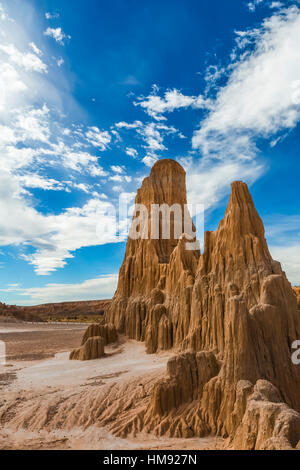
[232,304]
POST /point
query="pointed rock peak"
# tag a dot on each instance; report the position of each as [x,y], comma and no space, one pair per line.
[241,215]
[240,194]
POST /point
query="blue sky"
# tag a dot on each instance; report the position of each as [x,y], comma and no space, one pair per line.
[93,93]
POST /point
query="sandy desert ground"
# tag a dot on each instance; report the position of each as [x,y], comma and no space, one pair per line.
[49,402]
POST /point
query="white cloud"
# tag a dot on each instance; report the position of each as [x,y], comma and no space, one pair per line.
[78,160]
[280,227]
[12,158]
[150,159]
[209,182]
[70,156]
[117,169]
[3,15]
[36,149]
[97,170]
[77,227]
[212,74]
[117,178]
[26,60]
[7,135]
[99,139]
[126,125]
[57,34]
[32,124]
[152,137]
[102,287]
[252,5]
[33,180]
[51,16]
[60,62]
[257,100]
[117,188]
[155,106]
[82,187]
[35,49]
[276,5]
[11,83]
[131,152]
[283,236]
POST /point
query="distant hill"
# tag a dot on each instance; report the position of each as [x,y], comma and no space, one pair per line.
[84,311]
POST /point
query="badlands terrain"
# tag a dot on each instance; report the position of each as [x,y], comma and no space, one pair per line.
[50,402]
[193,352]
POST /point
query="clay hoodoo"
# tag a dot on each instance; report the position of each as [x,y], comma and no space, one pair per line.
[93,348]
[107,331]
[232,307]
[154,290]
[94,339]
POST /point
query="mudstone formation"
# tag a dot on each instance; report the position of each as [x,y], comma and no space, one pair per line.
[93,348]
[229,314]
[94,339]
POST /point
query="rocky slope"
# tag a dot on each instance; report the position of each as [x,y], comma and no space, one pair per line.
[232,307]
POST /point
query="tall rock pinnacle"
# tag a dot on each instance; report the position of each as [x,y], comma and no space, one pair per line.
[232,307]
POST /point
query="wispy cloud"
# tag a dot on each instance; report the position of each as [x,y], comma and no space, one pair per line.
[26,60]
[252,5]
[57,34]
[156,106]
[102,287]
[257,100]
[97,138]
[51,16]
[131,152]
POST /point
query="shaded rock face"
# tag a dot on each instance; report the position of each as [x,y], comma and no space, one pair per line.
[94,339]
[107,331]
[233,303]
[267,423]
[93,348]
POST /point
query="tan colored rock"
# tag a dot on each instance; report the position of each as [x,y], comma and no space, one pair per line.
[233,302]
[107,331]
[297,292]
[157,271]
[93,348]
[267,423]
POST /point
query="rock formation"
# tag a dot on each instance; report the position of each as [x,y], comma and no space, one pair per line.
[107,331]
[93,348]
[152,301]
[94,339]
[232,308]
